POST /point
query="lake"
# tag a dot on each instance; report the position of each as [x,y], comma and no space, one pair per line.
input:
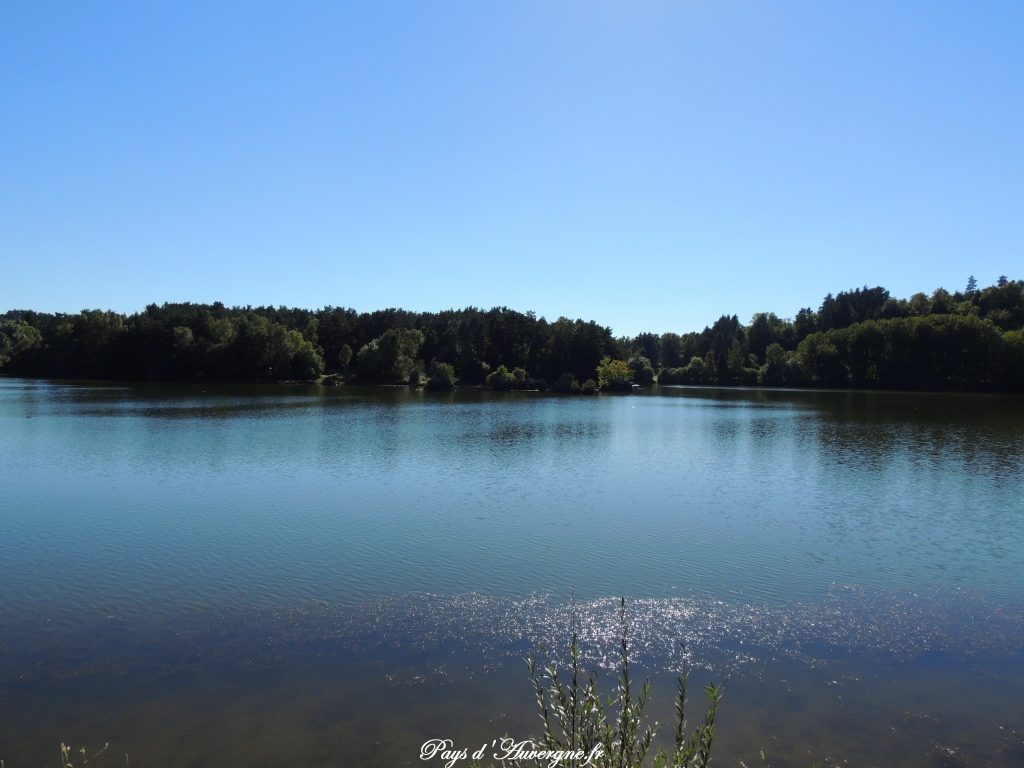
[218,576]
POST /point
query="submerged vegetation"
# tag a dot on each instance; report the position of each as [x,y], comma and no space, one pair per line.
[969,340]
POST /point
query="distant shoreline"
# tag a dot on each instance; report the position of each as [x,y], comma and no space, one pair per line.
[861,339]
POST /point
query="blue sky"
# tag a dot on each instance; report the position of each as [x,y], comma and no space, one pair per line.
[648,165]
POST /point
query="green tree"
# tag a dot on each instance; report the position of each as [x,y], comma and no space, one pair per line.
[307,362]
[641,370]
[390,356]
[442,377]
[1013,360]
[773,372]
[344,357]
[648,345]
[16,339]
[820,358]
[565,384]
[613,374]
[942,302]
[671,350]
[500,379]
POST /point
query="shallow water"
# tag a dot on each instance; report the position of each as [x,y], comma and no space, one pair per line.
[237,576]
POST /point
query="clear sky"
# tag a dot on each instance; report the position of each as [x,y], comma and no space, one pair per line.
[647,165]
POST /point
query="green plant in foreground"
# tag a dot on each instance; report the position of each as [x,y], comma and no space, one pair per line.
[72,758]
[612,733]
[79,758]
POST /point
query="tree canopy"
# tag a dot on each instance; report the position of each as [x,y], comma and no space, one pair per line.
[858,338]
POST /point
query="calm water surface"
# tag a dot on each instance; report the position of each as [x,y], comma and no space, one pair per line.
[318,576]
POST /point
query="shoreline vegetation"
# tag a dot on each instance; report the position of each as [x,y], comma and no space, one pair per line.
[970,340]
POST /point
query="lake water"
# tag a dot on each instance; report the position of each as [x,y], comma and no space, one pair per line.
[331,576]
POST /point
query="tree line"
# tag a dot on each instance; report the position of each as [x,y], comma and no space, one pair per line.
[967,340]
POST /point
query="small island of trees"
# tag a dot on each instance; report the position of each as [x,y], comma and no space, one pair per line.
[862,338]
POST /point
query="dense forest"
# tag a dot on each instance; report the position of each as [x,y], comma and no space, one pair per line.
[967,340]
